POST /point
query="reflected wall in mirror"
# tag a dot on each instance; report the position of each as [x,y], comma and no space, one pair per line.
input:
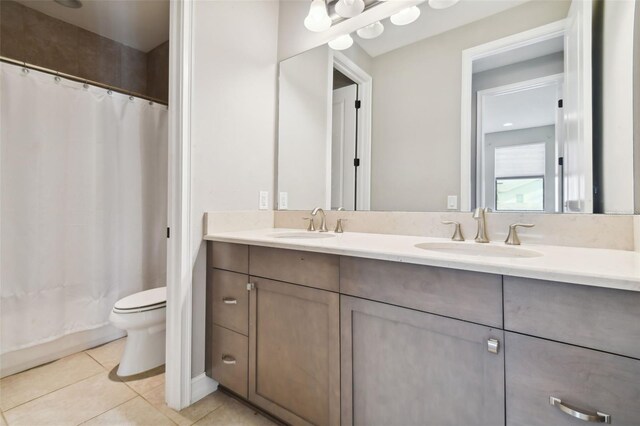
[512,105]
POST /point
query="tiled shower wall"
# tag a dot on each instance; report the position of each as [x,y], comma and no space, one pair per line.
[33,37]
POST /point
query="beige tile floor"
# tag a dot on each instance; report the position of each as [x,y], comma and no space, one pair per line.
[83,389]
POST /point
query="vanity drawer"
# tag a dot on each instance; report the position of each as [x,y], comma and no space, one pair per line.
[470,296]
[588,380]
[232,257]
[316,270]
[229,359]
[594,317]
[229,300]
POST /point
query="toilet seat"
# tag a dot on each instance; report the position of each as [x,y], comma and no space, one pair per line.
[143,301]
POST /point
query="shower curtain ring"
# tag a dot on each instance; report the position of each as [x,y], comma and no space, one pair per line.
[57,77]
[24,68]
[86,84]
[109,92]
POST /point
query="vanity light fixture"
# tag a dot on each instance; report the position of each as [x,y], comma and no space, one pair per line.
[405,16]
[318,19]
[442,4]
[371,30]
[349,8]
[507,124]
[341,43]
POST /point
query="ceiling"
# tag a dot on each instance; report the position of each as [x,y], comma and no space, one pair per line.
[528,108]
[141,24]
[432,22]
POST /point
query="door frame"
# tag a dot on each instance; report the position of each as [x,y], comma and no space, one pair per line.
[365,90]
[178,382]
[515,41]
[549,80]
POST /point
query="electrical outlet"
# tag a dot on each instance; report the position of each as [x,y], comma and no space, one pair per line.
[264,200]
[452,202]
[283,202]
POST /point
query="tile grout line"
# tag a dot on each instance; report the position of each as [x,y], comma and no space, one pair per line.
[154,407]
[112,408]
[190,424]
[55,390]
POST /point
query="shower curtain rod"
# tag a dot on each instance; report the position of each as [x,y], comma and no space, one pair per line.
[81,80]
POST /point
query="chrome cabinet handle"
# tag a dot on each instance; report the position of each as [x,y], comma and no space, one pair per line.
[229,301]
[228,359]
[598,417]
[493,345]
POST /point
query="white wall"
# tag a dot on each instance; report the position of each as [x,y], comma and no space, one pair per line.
[233,122]
[304,130]
[421,135]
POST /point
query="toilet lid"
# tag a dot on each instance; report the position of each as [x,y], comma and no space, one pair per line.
[145,300]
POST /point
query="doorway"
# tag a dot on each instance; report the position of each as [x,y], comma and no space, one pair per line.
[351,136]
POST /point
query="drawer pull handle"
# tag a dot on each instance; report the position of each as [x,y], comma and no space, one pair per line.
[228,359]
[598,417]
[229,301]
[493,346]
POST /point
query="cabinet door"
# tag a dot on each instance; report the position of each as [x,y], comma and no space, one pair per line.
[552,383]
[294,352]
[403,367]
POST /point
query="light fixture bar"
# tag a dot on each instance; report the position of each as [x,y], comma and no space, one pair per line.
[335,18]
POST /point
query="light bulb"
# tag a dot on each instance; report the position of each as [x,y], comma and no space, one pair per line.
[341,43]
[442,4]
[349,8]
[406,16]
[318,19]
[371,31]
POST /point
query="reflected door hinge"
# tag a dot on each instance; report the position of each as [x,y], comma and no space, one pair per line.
[168,232]
[560,103]
[356,162]
[358,104]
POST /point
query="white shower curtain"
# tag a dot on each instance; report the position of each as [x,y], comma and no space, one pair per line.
[83,204]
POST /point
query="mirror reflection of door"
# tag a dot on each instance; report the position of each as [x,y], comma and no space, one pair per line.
[521,141]
[343,142]
[519,134]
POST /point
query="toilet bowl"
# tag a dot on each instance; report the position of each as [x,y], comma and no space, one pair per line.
[143,317]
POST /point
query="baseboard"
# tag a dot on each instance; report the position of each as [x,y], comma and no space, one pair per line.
[24,359]
[202,386]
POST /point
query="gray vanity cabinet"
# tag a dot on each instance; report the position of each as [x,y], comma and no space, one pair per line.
[586,382]
[404,367]
[294,352]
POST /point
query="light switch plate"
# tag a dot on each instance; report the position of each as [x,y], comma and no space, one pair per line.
[283,201]
[264,200]
[452,202]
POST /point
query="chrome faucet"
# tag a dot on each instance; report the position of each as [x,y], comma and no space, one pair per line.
[323,219]
[481,234]
[512,238]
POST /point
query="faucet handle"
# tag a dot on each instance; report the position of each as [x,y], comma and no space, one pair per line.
[457,233]
[339,229]
[512,238]
[312,226]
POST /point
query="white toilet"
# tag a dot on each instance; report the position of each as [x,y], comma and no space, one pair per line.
[143,316]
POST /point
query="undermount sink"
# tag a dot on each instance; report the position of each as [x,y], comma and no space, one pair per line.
[303,235]
[473,249]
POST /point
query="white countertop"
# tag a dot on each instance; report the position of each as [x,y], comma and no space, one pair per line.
[587,266]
